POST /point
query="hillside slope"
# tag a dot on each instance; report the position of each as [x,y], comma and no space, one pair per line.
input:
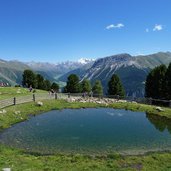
[131,69]
[11,71]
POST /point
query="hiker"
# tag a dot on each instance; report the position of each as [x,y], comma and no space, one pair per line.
[30,88]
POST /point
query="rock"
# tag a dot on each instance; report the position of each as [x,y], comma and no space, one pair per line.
[98,102]
[83,101]
[17,112]
[39,103]
[3,111]
[122,101]
[6,169]
[159,109]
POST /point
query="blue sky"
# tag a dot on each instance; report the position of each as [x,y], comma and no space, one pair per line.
[60,30]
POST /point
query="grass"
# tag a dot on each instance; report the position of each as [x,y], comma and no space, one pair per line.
[19,160]
[10,92]
[144,108]
[21,112]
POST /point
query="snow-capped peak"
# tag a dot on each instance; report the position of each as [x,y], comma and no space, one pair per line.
[85,60]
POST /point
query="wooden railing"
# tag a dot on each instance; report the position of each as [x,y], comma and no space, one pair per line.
[29,98]
[45,96]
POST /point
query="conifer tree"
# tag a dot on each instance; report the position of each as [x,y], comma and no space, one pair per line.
[85,86]
[40,81]
[156,83]
[168,82]
[73,85]
[55,87]
[115,86]
[29,79]
[97,88]
[47,85]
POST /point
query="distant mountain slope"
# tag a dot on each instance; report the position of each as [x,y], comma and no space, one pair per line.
[78,71]
[55,71]
[11,71]
[151,61]
[132,70]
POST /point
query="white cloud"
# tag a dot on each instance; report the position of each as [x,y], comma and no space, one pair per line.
[158,27]
[146,30]
[112,26]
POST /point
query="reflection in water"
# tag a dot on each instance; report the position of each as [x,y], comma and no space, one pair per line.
[161,123]
[90,131]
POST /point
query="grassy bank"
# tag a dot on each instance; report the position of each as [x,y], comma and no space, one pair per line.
[19,160]
[18,113]
[144,108]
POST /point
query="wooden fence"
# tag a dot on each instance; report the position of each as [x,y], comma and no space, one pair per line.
[45,96]
[34,97]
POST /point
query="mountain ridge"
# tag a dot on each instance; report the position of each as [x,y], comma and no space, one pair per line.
[131,69]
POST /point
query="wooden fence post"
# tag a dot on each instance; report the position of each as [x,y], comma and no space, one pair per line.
[34,99]
[56,96]
[14,101]
[150,101]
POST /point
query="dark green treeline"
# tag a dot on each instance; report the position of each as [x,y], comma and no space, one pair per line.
[158,83]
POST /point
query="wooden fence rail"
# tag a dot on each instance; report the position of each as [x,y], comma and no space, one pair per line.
[45,96]
[34,97]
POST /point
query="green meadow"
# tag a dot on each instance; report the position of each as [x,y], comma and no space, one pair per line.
[10,92]
[19,160]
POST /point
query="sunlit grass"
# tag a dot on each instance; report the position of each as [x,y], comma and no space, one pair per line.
[10,92]
[19,160]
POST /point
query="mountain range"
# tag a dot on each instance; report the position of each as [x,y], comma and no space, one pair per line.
[131,69]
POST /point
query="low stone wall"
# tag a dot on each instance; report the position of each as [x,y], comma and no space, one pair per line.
[105,101]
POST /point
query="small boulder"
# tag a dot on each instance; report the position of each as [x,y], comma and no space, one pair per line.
[39,103]
[6,169]
[3,111]
[17,112]
[159,109]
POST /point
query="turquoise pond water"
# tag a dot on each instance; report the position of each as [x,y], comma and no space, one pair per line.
[100,130]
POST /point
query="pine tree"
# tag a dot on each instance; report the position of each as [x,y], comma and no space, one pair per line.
[149,86]
[115,86]
[85,86]
[55,87]
[40,81]
[97,88]
[73,85]
[29,79]
[168,82]
[155,83]
[47,85]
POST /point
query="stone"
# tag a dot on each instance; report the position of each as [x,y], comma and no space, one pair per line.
[17,112]
[6,169]
[159,109]
[39,103]
[3,111]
